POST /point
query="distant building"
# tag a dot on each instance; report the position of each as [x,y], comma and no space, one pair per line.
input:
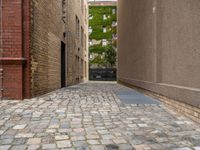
[102,3]
[77,39]
[102,31]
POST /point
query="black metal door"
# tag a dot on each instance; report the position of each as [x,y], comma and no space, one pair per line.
[63,70]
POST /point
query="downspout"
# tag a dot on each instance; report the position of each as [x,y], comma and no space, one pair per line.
[1,50]
[67,40]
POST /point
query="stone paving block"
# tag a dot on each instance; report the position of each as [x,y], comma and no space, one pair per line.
[125,147]
[78,130]
[142,125]
[183,148]
[82,148]
[92,136]
[119,141]
[93,142]
[48,146]
[62,137]
[34,141]
[24,135]
[107,137]
[19,147]
[19,127]
[19,141]
[55,126]
[5,147]
[33,147]
[70,149]
[78,138]
[64,144]
[6,141]
[103,132]
[97,147]
[142,147]
[1,132]
[50,130]
[106,142]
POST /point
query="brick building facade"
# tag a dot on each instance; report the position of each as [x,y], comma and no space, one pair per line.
[77,37]
[34,46]
[103,3]
[15,35]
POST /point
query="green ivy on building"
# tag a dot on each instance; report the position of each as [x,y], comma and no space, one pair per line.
[96,23]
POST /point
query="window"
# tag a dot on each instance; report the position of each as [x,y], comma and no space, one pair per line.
[86,15]
[114,24]
[82,36]
[114,37]
[90,17]
[113,11]
[90,30]
[90,43]
[104,30]
[91,56]
[82,69]
[77,67]
[85,41]
[76,63]
[104,42]
[64,14]
[82,6]
[77,27]
[85,69]
[104,17]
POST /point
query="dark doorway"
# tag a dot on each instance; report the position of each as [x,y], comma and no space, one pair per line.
[63,65]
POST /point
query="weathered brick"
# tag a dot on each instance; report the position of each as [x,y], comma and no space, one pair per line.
[32,35]
[15,44]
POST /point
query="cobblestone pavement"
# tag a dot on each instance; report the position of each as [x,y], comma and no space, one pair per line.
[91,117]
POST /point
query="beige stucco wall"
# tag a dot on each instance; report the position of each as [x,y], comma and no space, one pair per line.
[159,48]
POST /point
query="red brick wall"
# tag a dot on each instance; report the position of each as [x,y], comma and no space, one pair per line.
[15,46]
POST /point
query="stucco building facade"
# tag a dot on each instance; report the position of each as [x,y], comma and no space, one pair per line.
[36,46]
[158,49]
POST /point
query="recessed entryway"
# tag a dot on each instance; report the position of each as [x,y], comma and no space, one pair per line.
[63,66]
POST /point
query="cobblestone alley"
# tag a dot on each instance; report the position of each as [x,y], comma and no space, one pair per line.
[90,116]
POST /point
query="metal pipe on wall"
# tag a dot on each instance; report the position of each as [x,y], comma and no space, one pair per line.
[1,49]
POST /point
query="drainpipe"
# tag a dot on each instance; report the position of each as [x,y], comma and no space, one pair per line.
[65,20]
[1,49]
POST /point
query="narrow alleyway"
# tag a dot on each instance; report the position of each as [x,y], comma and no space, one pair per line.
[91,116]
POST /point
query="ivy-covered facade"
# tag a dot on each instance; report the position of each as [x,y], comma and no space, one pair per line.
[102,36]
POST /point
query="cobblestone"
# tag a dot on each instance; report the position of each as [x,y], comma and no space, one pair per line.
[48,146]
[17,147]
[90,116]
[5,147]
[64,144]
[19,127]
[34,141]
